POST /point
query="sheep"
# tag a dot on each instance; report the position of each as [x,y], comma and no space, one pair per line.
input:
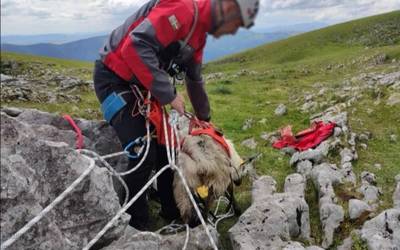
[208,170]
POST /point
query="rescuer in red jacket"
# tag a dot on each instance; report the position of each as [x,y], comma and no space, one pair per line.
[163,39]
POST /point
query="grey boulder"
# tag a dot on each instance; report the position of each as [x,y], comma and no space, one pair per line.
[357,208]
[316,156]
[281,110]
[383,231]
[133,239]
[396,194]
[33,173]
[272,219]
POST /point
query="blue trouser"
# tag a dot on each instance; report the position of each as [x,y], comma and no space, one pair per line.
[128,128]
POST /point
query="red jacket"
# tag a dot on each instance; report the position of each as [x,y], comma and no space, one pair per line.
[134,50]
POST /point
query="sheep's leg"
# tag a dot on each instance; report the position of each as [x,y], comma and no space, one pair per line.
[182,200]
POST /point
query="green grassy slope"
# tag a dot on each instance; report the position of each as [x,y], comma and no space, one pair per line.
[34,66]
[50,61]
[283,72]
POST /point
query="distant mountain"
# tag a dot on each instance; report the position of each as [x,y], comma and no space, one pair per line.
[47,38]
[294,29]
[243,40]
[87,49]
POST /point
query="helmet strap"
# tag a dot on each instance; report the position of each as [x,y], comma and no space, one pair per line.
[222,17]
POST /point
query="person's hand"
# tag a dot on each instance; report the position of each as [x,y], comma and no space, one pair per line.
[179,104]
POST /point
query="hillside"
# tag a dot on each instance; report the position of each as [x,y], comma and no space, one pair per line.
[312,72]
[88,49]
[352,67]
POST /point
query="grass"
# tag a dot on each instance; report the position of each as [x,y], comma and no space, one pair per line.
[285,71]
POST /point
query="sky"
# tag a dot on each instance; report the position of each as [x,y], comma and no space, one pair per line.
[32,17]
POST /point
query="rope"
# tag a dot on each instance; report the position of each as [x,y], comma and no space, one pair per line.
[147,143]
[222,217]
[126,205]
[78,131]
[174,167]
[110,169]
[123,210]
[38,217]
[187,237]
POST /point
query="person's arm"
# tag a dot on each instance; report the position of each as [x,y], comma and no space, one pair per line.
[165,24]
[196,87]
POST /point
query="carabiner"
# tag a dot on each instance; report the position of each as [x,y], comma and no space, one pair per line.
[139,142]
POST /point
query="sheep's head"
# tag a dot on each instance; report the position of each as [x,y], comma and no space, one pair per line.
[208,170]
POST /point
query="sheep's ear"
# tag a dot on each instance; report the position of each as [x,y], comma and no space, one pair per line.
[235,158]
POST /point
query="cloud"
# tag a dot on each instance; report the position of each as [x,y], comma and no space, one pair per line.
[329,10]
[68,10]
[59,16]
[299,4]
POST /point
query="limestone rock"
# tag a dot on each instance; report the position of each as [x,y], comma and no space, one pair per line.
[348,174]
[272,219]
[363,138]
[331,215]
[334,115]
[98,136]
[288,150]
[6,78]
[337,132]
[367,177]
[309,106]
[33,173]
[250,143]
[394,99]
[371,193]
[352,140]
[389,79]
[396,194]
[313,155]
[12,111]
[260,227]
[357,208]
[133,239]
[346,244]
[304,168]
[383,231]
[325,147]
[295,183]
[281,110]
[346,155]
[247,124]
[262,187]
[326,171]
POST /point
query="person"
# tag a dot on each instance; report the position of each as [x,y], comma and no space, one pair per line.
[162,39]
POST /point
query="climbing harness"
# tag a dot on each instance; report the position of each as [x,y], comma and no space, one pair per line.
[112,105]
[198,127]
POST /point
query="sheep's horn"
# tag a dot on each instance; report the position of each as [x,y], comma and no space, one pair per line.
[250,159]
